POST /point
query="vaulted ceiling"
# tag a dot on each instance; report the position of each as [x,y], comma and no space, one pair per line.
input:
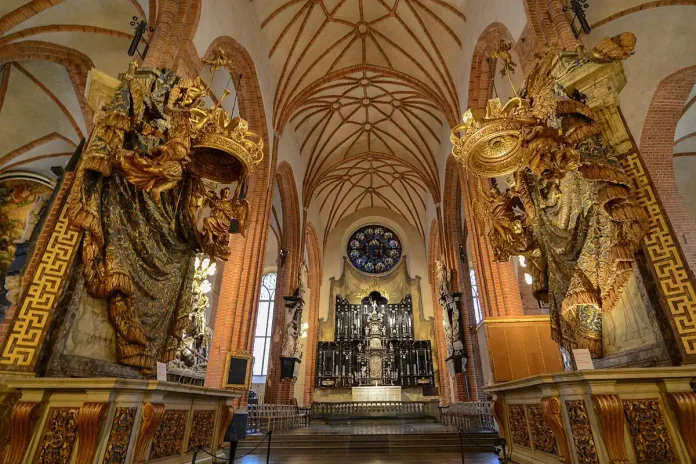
[367,85]
[46,50]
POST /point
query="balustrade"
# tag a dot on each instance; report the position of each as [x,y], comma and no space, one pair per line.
[273,417]
[472,416]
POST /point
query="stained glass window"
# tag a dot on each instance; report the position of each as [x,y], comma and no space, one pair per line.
[374,249]
[262,340]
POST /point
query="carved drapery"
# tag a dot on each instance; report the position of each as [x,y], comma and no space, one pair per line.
[610,413]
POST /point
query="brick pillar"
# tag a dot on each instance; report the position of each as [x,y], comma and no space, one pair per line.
[288,279]
[562,25]
[314,284]
[498,290]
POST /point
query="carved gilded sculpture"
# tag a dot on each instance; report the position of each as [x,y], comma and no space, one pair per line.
[144,181]
[571,211]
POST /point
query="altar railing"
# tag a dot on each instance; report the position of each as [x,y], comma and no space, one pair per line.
[274,417]
[473,416]
[354,409]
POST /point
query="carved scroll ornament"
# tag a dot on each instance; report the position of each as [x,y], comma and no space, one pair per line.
[611,419]
[684,404]
[151,417]
[551,410]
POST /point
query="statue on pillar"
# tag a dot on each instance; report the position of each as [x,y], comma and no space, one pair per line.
[571,212]
[450,313]
[293,320]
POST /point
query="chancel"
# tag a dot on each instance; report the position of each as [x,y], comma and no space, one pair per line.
[301,231]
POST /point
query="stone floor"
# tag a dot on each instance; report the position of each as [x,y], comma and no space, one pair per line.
[362,458]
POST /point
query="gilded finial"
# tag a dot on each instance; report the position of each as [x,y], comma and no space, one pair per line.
[502,52]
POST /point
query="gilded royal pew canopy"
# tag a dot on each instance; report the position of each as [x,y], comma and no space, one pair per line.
[145,199]
[570,209]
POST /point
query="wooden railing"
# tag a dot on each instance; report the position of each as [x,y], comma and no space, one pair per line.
[473,416]
[374,409]
[272,417]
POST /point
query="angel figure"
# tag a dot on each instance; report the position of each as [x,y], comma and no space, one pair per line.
[502,52]
[505,230]
[216,226]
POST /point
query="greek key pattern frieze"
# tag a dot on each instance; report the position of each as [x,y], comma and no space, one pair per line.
[33,319]
[671,274]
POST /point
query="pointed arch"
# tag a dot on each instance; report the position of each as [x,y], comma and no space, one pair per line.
[235,321]
[314,284]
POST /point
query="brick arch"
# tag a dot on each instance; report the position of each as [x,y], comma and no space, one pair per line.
[454,238]
[498,288]
[278,391]
[550,23]
[314,284]
[481,78]
[77,65]
[656,146]
[642,7]
[172,41]
[434,254]
[235,321]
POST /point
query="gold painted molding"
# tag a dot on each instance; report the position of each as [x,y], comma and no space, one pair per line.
[498,411]
[226,416]
[90,419]
[551,410]
[151,418]
[21,427]
[610,411]
[684,404]
[28,330]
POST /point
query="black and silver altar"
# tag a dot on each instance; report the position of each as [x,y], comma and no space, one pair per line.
[374,345]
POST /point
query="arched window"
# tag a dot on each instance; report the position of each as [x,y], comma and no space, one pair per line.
[474,293]
[264,323]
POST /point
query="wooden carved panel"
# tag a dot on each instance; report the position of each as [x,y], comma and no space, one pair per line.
[646,424]
[542,435]
[581,430]
[202,426]
[58,437]
[518,425]
[119,438]
[169,437]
